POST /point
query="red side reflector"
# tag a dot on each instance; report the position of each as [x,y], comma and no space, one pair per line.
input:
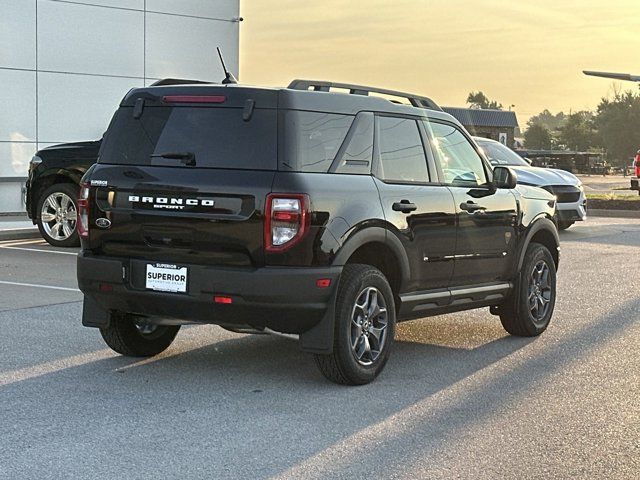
[194,99]
[221,299]
[105,287]
[323,282]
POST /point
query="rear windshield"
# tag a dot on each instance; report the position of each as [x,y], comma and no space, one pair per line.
[213,137]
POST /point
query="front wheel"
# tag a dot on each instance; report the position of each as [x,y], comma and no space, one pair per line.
[58,215]
[132,337]
[528,310]
[365,322]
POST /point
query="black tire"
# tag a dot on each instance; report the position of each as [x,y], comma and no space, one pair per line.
[564,225]
[71,191]
[124,337]
[342,365]
[517,313]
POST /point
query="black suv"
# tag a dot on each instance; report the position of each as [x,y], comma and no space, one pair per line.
[305,211]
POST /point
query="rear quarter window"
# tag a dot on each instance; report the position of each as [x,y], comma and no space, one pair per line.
[311,140]
[356,156]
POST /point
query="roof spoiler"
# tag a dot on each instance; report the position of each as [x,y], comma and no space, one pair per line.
[322,86]
[176,81]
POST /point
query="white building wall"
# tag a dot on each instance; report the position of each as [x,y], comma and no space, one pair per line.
[65,65]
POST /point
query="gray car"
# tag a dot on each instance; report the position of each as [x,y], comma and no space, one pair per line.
[568,189]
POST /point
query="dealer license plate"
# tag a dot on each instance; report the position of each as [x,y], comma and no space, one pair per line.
[164,277]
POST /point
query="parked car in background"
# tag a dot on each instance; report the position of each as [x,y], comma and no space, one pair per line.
[52,189]
[635,180]
[571,203]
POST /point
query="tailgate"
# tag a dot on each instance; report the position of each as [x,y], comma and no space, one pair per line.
[182,215]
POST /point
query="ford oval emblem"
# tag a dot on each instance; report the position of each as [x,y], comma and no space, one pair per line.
[103,222]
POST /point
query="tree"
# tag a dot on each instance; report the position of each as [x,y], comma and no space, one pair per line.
[578,132]
[618,124]
[549,120]
[479,100]
[537,137]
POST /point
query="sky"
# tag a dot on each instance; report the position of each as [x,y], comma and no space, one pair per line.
[527,53]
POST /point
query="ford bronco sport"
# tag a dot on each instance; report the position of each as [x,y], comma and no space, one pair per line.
[302,210]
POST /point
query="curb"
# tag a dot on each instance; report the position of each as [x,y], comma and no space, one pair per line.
[613,213]
[19,233]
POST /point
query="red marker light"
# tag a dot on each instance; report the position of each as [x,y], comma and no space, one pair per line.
[222,299]
[323,282]
[106,287]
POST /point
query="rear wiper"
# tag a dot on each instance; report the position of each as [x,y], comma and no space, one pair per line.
[188,158]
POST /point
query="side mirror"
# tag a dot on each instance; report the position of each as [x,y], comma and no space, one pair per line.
[504,177]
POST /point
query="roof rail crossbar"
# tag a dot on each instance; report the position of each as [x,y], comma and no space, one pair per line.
[176,81]
[323,86]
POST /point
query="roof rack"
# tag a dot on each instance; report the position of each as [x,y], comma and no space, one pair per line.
[322,86]
[175,81]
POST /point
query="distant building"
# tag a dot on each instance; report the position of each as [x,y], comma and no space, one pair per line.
[497,125]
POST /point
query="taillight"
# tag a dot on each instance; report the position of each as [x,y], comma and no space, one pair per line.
[286,220]
[83,211]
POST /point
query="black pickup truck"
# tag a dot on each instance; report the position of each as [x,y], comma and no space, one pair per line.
[304,211]
[52,189]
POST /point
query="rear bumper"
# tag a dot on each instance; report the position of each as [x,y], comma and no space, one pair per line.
[285,299]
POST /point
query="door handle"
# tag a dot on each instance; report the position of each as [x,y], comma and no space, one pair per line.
[404,206]
[471,207]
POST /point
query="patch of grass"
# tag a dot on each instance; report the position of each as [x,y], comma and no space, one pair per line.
[613,196]
[609,201]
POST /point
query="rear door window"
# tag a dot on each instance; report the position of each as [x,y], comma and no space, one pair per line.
[217,137]
[402,154]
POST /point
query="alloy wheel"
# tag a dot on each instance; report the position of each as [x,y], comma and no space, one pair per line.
[539,290]
[369,322]
[59,216]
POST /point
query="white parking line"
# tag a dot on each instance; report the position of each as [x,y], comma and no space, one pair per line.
[10,243]
[38,250]
[51,287]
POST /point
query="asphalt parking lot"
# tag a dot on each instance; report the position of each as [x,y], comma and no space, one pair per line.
[459,398]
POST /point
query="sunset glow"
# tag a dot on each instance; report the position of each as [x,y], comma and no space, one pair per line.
[529,53]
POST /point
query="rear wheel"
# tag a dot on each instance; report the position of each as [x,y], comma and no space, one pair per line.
[364,327]
[58,215]
[130,336]
[528,310]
